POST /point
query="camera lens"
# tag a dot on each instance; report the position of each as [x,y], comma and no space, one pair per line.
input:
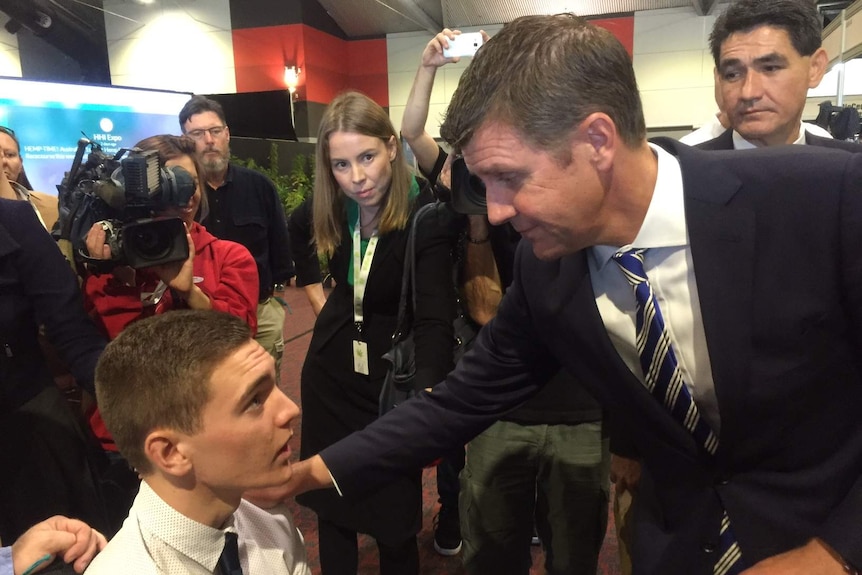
[149,242]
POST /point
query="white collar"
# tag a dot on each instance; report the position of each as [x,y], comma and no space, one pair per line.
[199,542]
[664,224]
[740,143]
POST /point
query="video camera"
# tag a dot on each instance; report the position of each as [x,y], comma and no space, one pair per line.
[123,193]
[468,191]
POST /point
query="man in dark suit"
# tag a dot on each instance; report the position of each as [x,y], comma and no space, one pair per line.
[751,258]
[767,54]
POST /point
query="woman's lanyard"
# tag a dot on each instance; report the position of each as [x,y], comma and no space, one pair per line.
[361,269]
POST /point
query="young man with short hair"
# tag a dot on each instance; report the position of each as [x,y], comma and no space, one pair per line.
[191,401]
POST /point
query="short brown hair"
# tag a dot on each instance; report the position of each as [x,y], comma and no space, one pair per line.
[172,147]
[357,113]
[199,105]
[543,75]
[156,374]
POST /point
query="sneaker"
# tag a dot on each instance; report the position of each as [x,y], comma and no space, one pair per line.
[447,532]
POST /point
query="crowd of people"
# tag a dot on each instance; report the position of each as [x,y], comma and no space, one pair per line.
[673,320]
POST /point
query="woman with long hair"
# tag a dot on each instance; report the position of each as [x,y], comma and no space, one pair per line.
[364,200]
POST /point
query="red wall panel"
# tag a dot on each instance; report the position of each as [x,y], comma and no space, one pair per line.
[623,28]
[260,55]
[368,67]
[328,64]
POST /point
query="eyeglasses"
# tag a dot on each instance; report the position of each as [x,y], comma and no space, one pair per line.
[8,131]
[215,132]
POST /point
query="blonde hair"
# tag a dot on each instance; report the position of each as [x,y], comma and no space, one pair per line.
[356,113]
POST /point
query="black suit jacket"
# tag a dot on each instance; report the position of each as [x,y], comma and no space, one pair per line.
[775,238]
[435,297]
[725,142]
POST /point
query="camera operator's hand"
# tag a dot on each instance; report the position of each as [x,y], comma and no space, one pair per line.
[179,276]
[96,246]
[99,250]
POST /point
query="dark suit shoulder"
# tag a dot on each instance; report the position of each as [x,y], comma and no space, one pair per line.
[813,140]
[724,141]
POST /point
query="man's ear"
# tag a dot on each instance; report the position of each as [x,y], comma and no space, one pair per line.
[600,132]
[817,67]
[165,449]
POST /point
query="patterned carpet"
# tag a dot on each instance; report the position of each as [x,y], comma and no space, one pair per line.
[297,332]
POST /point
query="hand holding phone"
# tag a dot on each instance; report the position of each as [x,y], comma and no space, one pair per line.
[463,45]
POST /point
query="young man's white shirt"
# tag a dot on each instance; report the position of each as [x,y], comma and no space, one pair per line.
[156,539]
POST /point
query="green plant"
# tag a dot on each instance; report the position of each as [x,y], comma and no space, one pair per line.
[300,182]
[293,188]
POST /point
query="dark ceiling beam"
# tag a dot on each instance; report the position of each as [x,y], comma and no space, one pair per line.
[64,30]
[417,15]
[703,7]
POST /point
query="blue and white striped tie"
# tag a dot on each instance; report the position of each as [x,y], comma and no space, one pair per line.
[664,380]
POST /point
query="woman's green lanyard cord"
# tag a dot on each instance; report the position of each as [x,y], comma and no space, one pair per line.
[363,256]
[353,214]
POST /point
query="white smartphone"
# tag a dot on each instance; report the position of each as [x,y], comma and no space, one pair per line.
[463,45]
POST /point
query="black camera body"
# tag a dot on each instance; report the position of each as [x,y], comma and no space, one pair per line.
[468,191]
[124,193]
[146,242]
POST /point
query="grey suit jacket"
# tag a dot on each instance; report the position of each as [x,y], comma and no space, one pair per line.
[775,238]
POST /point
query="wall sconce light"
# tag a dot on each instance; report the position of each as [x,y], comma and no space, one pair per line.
[291,78]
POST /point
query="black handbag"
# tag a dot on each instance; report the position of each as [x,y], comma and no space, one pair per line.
[399,385]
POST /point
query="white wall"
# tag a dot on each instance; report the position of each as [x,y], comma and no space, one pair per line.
[673,66]
[183,45]
[404,52]
[672,63]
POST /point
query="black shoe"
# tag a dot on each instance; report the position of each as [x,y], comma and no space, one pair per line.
[447,532]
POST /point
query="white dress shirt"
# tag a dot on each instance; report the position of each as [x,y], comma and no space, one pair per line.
[156,539]
[669,267]
[706,132]
[714,129]
[740,143]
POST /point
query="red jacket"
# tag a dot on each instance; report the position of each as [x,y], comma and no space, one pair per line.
[223,270]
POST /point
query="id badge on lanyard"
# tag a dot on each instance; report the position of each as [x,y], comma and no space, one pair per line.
[361,269]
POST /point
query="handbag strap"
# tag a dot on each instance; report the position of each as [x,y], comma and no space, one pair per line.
[408,276]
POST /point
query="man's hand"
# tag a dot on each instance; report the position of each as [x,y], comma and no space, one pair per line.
[308,475]
[625,473]
[814,558]
[74,540]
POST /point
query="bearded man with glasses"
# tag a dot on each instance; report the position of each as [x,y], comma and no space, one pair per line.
[244,207]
